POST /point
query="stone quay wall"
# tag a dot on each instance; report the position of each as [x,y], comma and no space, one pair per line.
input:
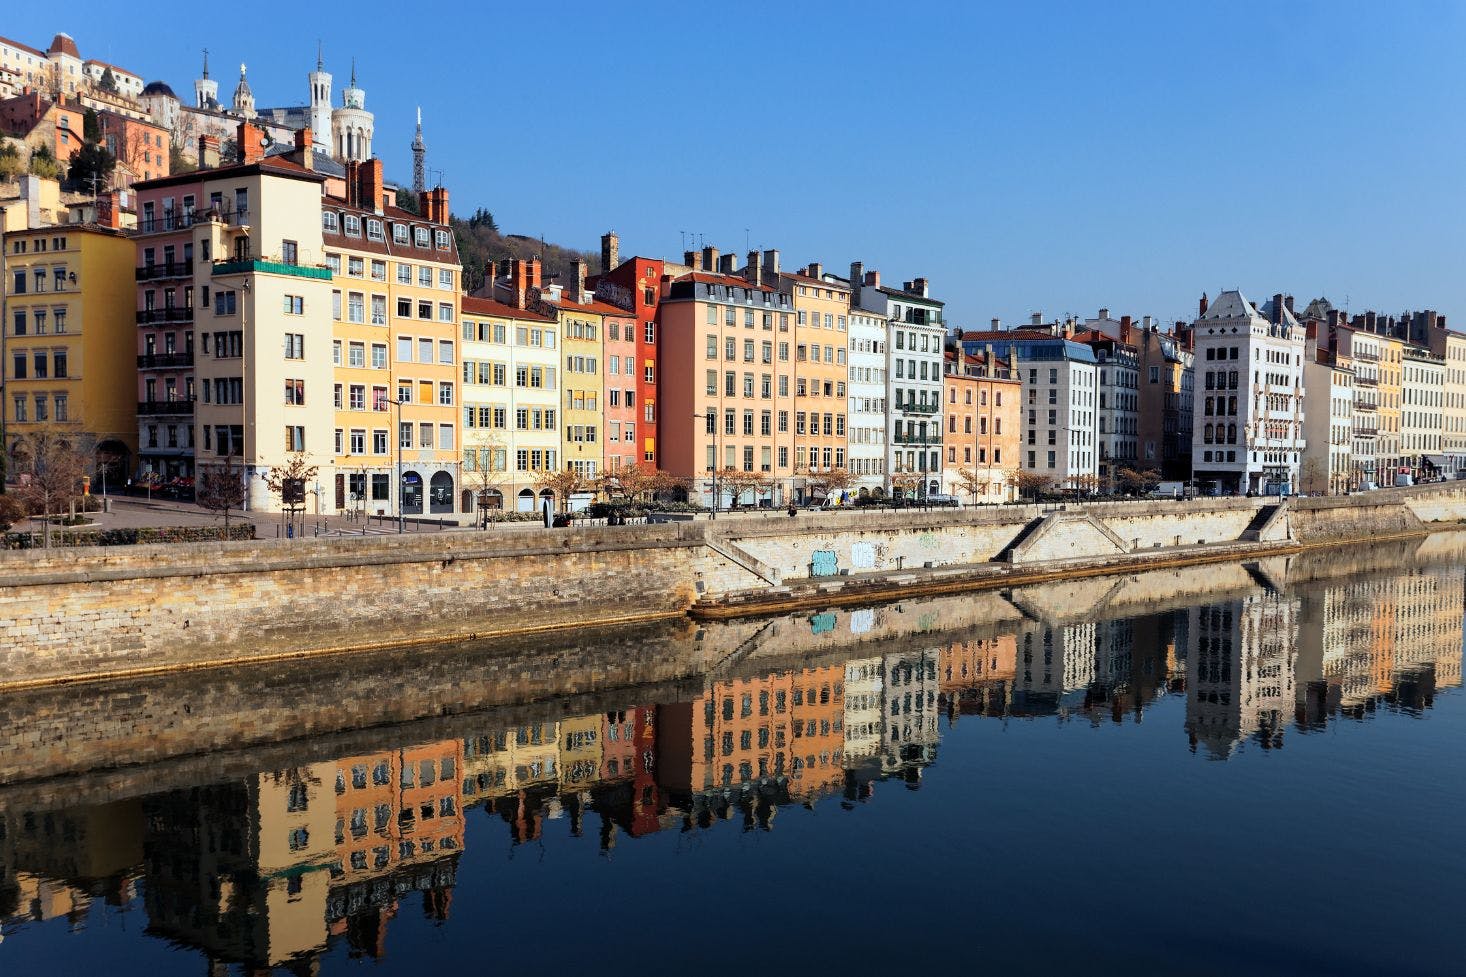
[75,614]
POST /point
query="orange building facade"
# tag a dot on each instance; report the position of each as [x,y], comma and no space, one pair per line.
[981,440]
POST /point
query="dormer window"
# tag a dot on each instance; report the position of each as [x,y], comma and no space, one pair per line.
[330,221]
[353,225]
[399,233]
[374,230]
[420,236]
[443,240]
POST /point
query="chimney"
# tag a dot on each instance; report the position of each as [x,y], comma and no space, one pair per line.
[1369,321]
[1288,304]
[710,258]
[919,287]
[208,152]
[873,278]
[692,259]
[815,269]
[1277,314]
[1125,321]
[441,214]
[303,148]
[533,268]
[726,264]
[1148,324]
[353,182]
[771,266]
[109,210]
[575,290]
[1104,313]
[1202,310]
[754,271]
[369,187]
[251,139]
[518,282]
[1036,319]
[610,251]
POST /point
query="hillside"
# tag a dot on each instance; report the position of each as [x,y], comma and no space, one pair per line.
[480,241]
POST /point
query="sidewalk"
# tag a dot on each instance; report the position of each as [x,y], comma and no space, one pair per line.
[133,512]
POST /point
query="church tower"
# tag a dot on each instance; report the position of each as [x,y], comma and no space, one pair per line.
[352,124]
[320,107]
[206,89]
[244,99]
[419,155]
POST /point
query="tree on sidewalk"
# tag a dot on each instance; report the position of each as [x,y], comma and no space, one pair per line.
[971,481]
[562,483]
[288,481]
[1138,481]
[221,490]
[1030,484]
[50,467]
[828,482]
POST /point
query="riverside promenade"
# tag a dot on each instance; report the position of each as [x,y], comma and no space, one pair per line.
[83,614]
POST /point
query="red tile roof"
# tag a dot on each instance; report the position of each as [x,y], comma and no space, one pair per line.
[489,307]
[707,278]
[1005,335]
[595,307]
[22,47]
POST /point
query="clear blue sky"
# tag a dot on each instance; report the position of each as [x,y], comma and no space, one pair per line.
[1055,157]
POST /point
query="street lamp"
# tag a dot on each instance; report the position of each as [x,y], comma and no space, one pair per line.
[712,418]
[401,482]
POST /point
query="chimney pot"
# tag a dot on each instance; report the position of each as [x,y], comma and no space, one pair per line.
[754,270]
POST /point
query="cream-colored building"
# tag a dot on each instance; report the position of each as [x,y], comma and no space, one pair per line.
[1422,408]
[511,402]
[1328,425]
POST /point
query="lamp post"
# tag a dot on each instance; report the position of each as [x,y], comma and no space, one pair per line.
[712,418]
[401,482]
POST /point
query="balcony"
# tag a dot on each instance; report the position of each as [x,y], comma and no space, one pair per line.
[156,408]
[168,222]
[166,269]
[240,266]
[917,439]
[149,317]
[910,408]
[164,361]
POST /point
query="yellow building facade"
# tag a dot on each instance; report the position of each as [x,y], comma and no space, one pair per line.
[70,339]
[394,315]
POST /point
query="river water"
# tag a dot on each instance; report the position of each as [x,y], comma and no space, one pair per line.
[1251,769]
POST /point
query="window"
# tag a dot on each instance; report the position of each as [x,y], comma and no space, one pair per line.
[355,267]
[358,441]
[374,231]
[295,393]
[379,310]
[295,437]
[355,307]
[294,305]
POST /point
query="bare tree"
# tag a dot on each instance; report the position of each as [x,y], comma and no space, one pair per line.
[665,482]
[50,465]
[295,473]
[1138,480]
[485,476]
[973,482]
[736,482]
[221,490]
[1030,484]
[562,483]
[906,481]
[630,482]
[829,481]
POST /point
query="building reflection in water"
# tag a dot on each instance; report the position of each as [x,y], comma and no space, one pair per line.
[272,869]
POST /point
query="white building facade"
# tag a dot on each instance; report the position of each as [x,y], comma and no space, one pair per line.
[915,333]
[866,401]
[1248,437]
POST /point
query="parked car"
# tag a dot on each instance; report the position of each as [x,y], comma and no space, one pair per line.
[943,500]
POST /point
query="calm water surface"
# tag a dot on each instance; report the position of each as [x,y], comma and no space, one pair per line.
[1242,770]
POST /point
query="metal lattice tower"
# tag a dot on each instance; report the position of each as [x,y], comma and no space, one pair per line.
[419,154]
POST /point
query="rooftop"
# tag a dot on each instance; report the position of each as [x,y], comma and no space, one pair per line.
[489,307]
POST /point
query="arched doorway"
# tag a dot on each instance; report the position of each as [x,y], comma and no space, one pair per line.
[440,492]
[412,493]
[525,502]
[114,461]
